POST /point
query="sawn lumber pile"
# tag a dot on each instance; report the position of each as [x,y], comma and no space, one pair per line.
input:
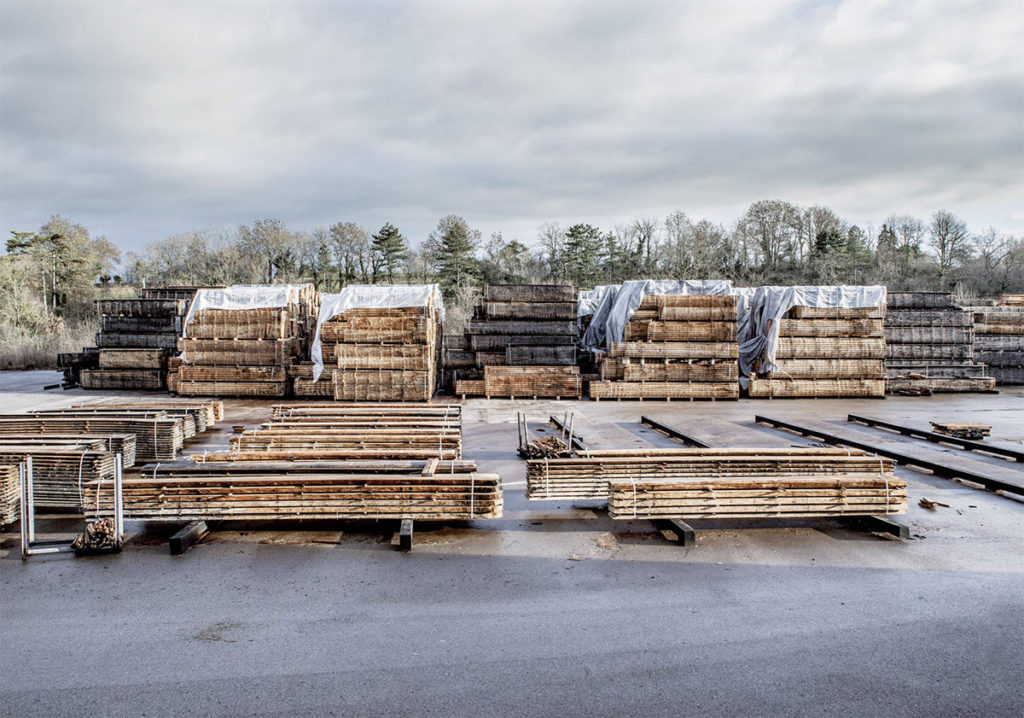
[826,352]
[676,347]
[521,342]
[999,339]
[929,346]
[10,493]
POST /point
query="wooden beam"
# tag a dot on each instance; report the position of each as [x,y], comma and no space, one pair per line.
[188,537]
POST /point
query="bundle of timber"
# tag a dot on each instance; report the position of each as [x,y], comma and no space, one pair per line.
[158,435]
[929,346]
[123,444]
[678,346]
[10,493]
[380,342]
[588,477]
[520,336]
[241,340]
[61,468]
[335,431]
[999,339]
[1010,300]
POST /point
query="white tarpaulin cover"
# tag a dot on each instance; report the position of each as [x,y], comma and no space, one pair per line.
[598,302]
[631,293]
[243,296]
[758,329]
[370,296]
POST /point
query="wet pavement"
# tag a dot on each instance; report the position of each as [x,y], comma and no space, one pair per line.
[553,609]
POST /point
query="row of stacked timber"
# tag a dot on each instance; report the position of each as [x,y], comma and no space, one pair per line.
[75,447]
[521,342]
[930,346]
[676,347]
[826,352]
[377,353]
[723,483]
[999,338]
[245,351]
[322,461]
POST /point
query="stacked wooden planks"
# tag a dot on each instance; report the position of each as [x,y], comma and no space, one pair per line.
[61,468]
[323,461]
[521,342]
[677,347]
[999,340]
[826,352]
[929,346]
[380,354]
[245,352]
[123,444]
[158,436]
[10,493]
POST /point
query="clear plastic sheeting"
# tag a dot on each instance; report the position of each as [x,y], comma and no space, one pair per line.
[243,296]
[598,302]
[763,307]
[630,294]
[375,296]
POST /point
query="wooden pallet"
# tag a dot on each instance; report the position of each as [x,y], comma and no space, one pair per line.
[924,385]
[687,371]
[534,381]
[666,390]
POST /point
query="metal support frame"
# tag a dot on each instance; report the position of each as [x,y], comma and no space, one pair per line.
[30,546]
[673,432]
[565,427]
[187,537]
[943,470]
[937,438]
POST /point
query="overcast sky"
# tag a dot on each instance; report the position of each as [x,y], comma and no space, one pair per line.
[145,120]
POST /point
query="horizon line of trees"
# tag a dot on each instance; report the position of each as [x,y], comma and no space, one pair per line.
[57,271]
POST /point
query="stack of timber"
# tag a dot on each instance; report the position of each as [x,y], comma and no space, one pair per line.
[521,342]
[677,346]
[245,352]
[123,444]
[10,493]
[61,468]
[334,490]
[379,354]
[135,339]
[158,435]
[929,346]
[1011,300]
[826,352]
[999,339]
[356,431]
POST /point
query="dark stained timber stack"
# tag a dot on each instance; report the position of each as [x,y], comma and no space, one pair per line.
[929,346]
[827,352]
[676,346]
[378,354]
[999,339]
[521,342]
[136,336]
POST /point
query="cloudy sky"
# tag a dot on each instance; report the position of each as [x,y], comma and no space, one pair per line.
[144,120]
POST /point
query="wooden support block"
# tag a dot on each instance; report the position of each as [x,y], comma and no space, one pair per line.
[685,535]
[188,537]
[430,467]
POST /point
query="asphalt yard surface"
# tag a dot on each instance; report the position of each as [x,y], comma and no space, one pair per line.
[552,610]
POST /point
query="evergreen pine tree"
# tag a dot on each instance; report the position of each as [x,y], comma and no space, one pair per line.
[389,252]
[452,250]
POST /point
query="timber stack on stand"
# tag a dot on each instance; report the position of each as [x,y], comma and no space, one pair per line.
[245,352]
[826,352]
[677,346]
[523,339]
[929,346]
[999,338]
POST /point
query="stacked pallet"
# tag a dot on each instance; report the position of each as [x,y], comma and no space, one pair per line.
[826,352]
[244,351]
[999,339]
[677,346]
[61,468]
[929,346]
[522,339]
[326,431]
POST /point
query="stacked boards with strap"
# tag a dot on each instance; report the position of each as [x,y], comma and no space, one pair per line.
[677,346]
[929,346]
[826,352]
[521,342]
[999,338]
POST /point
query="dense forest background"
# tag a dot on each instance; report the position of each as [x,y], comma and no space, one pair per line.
[50,277]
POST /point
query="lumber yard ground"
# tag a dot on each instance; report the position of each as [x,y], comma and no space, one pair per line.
[552,610]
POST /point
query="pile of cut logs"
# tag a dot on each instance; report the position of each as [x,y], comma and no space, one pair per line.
[999,338]
[929,346]
[521,342]
[826,352]
[676,347]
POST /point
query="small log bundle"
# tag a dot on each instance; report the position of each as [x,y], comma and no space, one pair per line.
[596,476]
[677,347]
[929,346]
[999,339]
[529,327]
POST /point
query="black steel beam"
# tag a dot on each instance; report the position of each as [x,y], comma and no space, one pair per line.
[943,470]
[405,535]
[937,438]
[673,432]
[188,537]
[880,524]
[685,534]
